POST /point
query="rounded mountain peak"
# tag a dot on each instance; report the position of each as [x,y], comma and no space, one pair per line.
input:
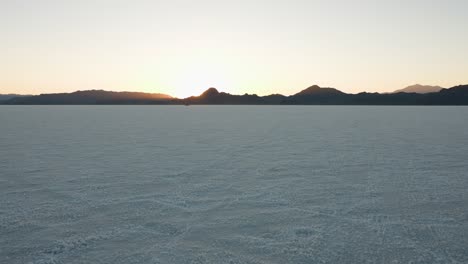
[210,92]
[314,87]
[317,90]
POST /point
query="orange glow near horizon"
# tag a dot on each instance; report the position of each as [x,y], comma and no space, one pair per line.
[194,78]
[181,48]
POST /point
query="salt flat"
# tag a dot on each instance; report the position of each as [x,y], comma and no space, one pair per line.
[233,184]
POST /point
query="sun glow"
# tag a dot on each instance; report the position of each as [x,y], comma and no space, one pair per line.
[195,78]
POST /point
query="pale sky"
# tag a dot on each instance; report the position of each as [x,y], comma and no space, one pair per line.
[182,47]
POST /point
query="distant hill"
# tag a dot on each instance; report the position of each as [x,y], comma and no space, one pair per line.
[93,97]
[313,95]
[4,97]
[317,90]
[213,96]
[316,95]
[418,88]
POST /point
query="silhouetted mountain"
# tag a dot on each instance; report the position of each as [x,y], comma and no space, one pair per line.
[212,96]
[418,88]
[93,97]
[313,95]
[315,90]
[210,93]
[274,99]
[457,95]
[4,97]
[317,95]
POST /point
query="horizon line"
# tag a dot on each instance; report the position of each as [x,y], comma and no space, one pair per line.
[221,91]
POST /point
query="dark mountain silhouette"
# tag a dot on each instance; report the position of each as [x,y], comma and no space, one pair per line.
[274,99]
[210,93]
[212,96]
[4,97]
[313,95]
[418,88]
[317,95]
[93,97]
[316,90]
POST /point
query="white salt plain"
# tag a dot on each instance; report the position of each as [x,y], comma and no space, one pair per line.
[233,184]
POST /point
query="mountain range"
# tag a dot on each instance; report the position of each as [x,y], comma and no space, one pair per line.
[313,95]
[4,97]
[418,88]
[92,97]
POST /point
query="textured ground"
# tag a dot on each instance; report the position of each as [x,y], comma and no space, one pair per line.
[226,184]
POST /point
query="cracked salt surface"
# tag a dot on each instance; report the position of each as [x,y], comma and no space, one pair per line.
[233,184]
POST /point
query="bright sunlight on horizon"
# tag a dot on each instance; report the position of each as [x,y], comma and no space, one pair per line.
[182,47]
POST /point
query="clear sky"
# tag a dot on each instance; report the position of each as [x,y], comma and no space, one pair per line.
[182,47]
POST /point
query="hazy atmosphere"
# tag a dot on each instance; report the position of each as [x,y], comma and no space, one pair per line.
[246,132]
[182,47]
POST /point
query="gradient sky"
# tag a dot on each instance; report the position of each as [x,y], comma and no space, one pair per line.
[182,47]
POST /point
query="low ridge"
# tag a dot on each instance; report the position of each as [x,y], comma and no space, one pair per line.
[313,95]
[418,88]
[317,90]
